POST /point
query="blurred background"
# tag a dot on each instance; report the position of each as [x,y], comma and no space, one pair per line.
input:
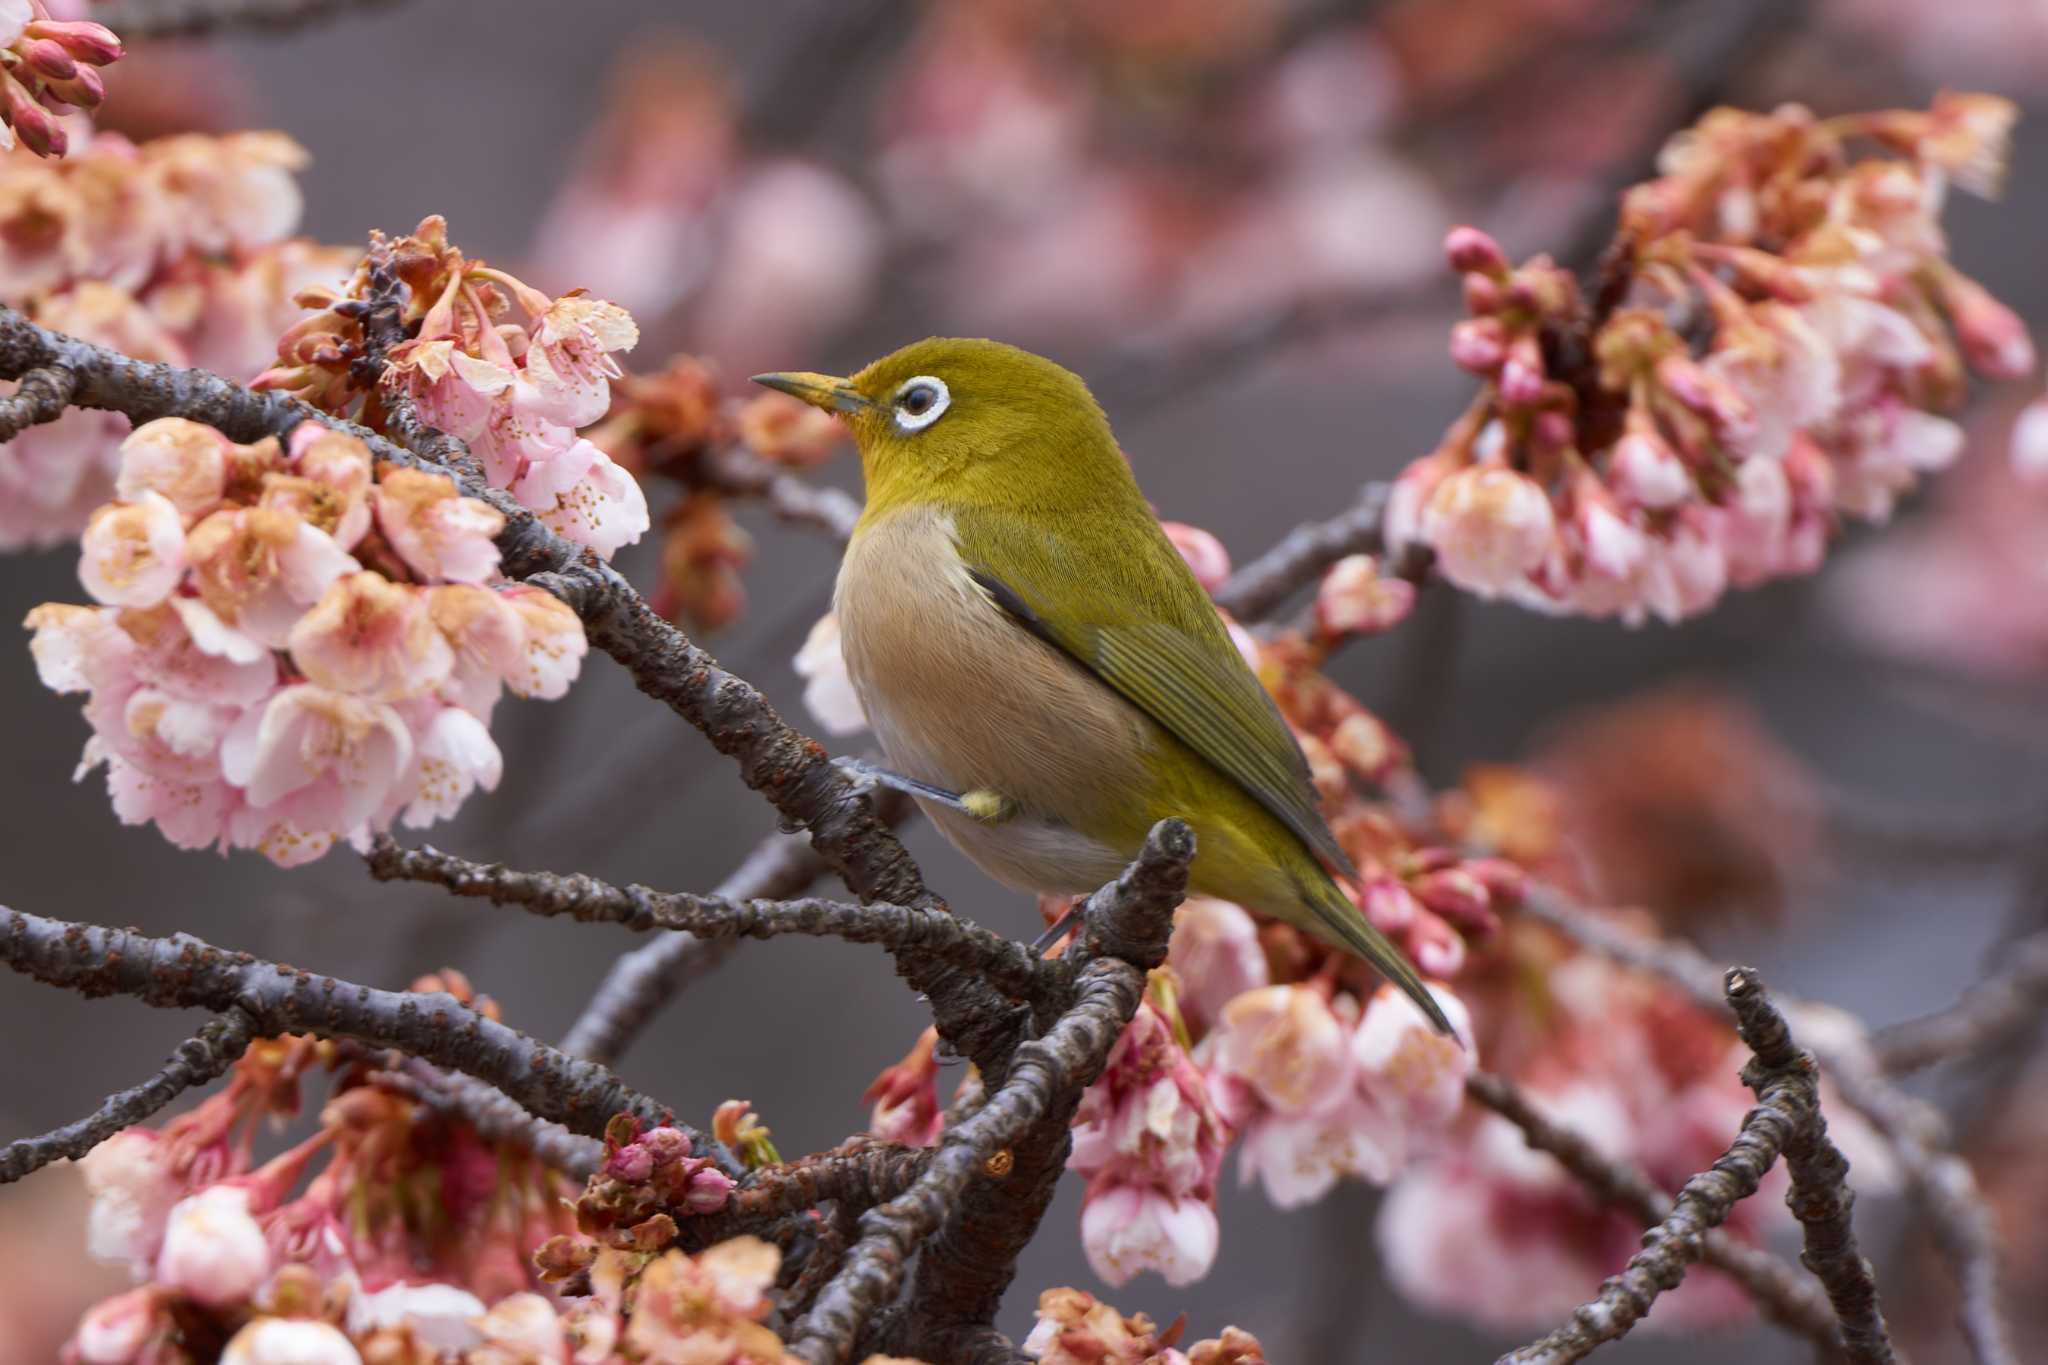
[1228,215]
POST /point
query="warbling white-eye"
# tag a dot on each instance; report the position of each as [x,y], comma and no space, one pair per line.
[1042,670]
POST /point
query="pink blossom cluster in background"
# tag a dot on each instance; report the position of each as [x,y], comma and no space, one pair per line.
[290,647]
[1076,1328]
[1648,1080]
[52,66]
[177,250]
[1616,465]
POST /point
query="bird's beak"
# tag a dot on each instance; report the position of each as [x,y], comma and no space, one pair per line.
[819,390]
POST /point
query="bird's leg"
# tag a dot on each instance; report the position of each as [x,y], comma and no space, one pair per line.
[988,807]
[1060,927]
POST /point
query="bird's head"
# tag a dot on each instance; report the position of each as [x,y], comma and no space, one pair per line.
[966,419]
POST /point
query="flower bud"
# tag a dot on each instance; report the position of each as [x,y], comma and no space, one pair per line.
[93,44]
[1645,470]
[1204,553]
[214,1250]
[1471,251]
[37,128]
[1992,335]
[48,59]
[1479,345]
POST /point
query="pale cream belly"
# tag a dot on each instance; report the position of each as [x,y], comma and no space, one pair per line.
[963,698]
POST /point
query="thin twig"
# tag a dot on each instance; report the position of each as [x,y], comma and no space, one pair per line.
[1784,1102]
[1988,1013]
[1298,558]
[1784,1295]
[902,929]
[193,18]
[1940,1182]
[199,1059]
[495,1116]
[182,972]
[1820,1197]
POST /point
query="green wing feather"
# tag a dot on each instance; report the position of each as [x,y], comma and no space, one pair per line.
[1167,653]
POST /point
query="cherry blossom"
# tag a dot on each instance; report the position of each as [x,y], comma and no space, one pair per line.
[828,689]
[213,1249]
[251,685]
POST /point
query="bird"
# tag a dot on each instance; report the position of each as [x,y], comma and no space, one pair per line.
[1041,669]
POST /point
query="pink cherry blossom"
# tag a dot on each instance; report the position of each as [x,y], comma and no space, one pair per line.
[1356,597]
[257,570]
[603,508]
[828,689]
[184,461]
[213,1249]
[453,755]
[133,553]
[1215,952]
[133,1189]
[1286,1043]
[521,1328]
[315,759]
[115,1331]
[331,487]
[290,1341]
[1127,1229]
[554,644]
[440,535]
[373,639]
[569,362]
[1204,554]
[487,636]
[1489,526]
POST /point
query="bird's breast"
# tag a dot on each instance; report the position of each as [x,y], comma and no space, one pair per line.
[963,697]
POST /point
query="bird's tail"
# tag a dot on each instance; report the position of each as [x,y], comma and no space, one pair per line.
[1339,922]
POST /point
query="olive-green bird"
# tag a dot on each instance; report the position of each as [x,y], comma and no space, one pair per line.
[1042,670]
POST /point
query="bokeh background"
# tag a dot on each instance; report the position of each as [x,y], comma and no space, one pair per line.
[1228,216]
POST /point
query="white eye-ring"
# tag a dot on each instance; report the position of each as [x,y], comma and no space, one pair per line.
[921,401]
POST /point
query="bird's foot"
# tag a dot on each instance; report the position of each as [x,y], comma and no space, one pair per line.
[987,807]
[1059,928]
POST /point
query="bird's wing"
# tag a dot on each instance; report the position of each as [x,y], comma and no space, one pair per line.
[1154,637]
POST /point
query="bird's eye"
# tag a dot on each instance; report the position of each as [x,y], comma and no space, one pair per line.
[920,402]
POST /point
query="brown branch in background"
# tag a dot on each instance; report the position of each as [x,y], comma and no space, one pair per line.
[735,470]
[1990,1012]
[1298,558]
[193,18]
[640,982]
[199,1059]
[183,972]
[42,397]
[901,929]
[1820,1197]
[1787,1103]
[495,1116]
[1781,1291]
[1941,1183]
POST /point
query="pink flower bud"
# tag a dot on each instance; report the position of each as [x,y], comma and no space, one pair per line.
[630,1164]
[1389,905]
[214,1250]
[37,128]
[1992,335]
[1706,393]
[1482,295]
[1471,251]
[290,1341]
[1646,470]
[2030,442]
[1364,744]
[1436,948]
[1505,882]
[93,44]
[1203,552]
[48,59]
[1521,377]
[708,1191]
[1455,894]
[86,89]
[1479,345]
[1553,431]
[114,1331]
[1354,598]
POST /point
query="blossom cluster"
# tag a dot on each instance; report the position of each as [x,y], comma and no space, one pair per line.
[290,646]
[1076,1328]
[493,362]
[176,250]
[1773,351]
[47,67]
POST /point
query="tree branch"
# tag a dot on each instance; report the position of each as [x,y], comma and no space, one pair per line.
[42,397]
[1988,1014]
[1784,1295]
[903,930]
[1820,1197]
[194,18]
[1300,557]
[1786,1102]
[183,972]
[1941,1183]
[496,1116]
[199,1059]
